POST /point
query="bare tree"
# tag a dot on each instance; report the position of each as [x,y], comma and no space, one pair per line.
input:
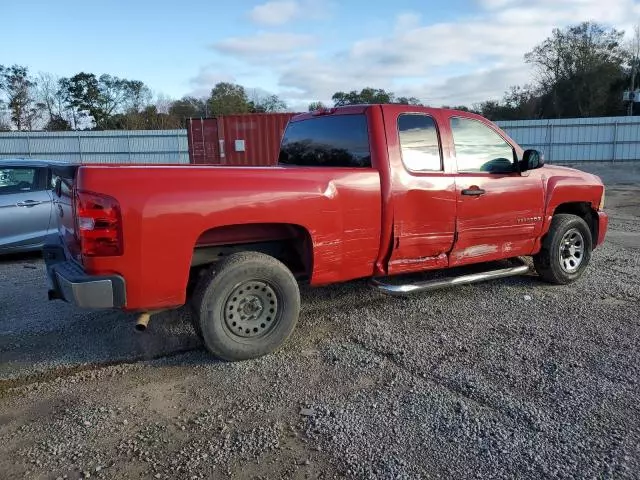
[56,113]
[18,87]
[163,102]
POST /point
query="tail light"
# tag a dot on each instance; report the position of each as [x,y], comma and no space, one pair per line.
[98,225]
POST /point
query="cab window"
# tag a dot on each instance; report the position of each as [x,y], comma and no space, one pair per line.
[419,143]
[479,148]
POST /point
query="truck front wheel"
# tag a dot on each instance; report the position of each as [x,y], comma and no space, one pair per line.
[247,306]
[566,250]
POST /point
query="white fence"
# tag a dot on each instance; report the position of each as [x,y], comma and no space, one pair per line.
[116,146]
[610,139]
[571,140]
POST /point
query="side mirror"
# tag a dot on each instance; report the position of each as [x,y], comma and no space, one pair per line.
[531,160]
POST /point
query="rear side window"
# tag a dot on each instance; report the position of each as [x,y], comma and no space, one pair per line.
[327,141]
[17,180]
[419,143]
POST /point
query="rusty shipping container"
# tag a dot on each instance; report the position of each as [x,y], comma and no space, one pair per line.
[248,139]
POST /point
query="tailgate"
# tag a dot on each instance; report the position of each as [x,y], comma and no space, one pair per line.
[63,197]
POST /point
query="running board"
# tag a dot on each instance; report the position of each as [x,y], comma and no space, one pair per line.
[409,288]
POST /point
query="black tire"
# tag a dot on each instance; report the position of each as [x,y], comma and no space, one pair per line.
[243,286]
[194,318]
[555,263]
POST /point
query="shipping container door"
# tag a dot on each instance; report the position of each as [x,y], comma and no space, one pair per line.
[204,145]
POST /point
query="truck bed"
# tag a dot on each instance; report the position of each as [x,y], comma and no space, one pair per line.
[170,212]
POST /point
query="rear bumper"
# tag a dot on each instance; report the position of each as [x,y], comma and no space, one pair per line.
[603,224]
[69,282]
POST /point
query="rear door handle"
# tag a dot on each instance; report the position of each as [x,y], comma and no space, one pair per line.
[28,203]
[473,191]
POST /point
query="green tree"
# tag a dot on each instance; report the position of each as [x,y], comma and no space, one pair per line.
[517,103]
[103,97]
[188,107]
[576,68]
[367,95]
[313,106]
[409,101]
[227,99]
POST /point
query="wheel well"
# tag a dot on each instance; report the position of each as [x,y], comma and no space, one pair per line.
[583,210]
[289,243]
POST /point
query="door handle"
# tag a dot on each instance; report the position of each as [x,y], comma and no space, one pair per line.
[28,203]
[473,191]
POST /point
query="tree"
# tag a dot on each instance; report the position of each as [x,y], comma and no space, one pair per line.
[18,86]
[313,106]
[5,126]
[263,102]
[409,101]
[103,97]
[51,98]
[367,95]
[576,68]
[57,124]
[188,107]
[517,103]
[228,99]
[633,53]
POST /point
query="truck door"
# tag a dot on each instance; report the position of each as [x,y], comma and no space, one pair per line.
[423,190]
[500,211]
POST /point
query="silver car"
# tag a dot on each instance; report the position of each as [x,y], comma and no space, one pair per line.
[25,204]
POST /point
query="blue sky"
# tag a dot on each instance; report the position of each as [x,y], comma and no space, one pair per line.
[454,52]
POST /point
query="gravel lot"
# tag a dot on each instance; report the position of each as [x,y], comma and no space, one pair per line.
[512,378]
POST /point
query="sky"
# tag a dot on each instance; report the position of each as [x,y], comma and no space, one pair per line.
[453,52]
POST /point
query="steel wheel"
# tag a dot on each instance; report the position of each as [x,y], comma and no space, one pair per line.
[251,310]
[571,250]
[248,305]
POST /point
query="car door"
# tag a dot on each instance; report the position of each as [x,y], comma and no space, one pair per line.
[423,189]
[500,210]
[25,207]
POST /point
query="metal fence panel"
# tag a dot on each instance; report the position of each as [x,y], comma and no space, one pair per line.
[570,140]
[117,146]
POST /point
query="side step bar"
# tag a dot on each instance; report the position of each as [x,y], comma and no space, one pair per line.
[409,288]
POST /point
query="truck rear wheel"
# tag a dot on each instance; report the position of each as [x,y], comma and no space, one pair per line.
[247,306]
[566,250]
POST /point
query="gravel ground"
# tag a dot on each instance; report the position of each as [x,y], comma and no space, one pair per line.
[512,378]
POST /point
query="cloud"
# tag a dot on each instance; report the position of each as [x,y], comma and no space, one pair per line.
[206,78]
[280,12]
[263,43]
[475,58]
[275,13]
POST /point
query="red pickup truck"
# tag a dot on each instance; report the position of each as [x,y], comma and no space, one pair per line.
[365,191]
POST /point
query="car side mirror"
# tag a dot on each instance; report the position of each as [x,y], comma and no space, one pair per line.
[531,160]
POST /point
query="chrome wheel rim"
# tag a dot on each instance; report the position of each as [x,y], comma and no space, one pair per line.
[571,250]
[251,310]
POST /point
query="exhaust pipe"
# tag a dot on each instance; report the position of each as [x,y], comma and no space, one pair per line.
[143,321]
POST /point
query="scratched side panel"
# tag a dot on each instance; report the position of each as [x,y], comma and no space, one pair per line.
[424,203]
[502,223]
